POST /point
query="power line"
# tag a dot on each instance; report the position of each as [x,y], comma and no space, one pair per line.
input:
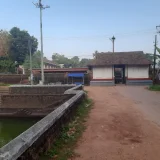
[100,36]
[140,32]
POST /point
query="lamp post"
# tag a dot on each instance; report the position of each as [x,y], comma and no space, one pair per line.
[113,39]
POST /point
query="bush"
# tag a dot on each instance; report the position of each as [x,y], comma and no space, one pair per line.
[154,88]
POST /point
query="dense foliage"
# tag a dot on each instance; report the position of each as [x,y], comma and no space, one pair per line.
[72,62]
[150,57]
[14,48]
[5,41]
[19,44]
[7,65]
[36,60]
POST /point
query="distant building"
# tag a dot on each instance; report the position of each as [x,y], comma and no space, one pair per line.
[49,64]
[61,65]
[65,75]
[120,67]
[21,69]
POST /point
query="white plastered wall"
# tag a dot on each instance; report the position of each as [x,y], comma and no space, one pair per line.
[138,71]
[102,72]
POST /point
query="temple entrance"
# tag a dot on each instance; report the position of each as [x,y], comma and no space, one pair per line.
[119,74]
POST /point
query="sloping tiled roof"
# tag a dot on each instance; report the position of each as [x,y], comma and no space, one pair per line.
[130,58]
[46,61]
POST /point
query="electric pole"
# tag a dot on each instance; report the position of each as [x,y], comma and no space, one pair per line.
[113,39]
[30,54]
[41,7]
[154,67]
[158,31]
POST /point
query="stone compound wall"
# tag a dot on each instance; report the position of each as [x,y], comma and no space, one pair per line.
[31,101]
[13,78]
[39,89]
[40,136]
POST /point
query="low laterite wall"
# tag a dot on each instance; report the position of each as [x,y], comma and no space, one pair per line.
[38,138]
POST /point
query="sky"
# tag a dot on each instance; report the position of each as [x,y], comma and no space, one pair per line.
[79,27]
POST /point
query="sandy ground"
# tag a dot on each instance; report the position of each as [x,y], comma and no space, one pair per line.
[118,128]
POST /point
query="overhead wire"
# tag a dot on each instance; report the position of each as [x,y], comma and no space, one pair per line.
[150,31]
[140,32]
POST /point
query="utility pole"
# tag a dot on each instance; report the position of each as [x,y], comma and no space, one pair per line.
[158,31]
[155,49]
[30,55]
[41,7]
[154,67]
[113,39]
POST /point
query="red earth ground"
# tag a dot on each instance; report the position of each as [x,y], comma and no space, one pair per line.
[118,128]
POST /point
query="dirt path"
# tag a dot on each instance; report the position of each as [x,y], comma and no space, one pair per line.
[117,130]
[146,101]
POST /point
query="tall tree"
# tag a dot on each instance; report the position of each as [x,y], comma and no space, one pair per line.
[158,49]
[150,57]
[84,62]
[95,54]
[19,44]
[5,40]
[6,64]
[75,61]
[61,59]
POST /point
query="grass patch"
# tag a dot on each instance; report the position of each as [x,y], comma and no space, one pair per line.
[154,88]
[4,84]
[63,147]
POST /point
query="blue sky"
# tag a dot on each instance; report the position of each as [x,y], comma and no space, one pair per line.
[79,27]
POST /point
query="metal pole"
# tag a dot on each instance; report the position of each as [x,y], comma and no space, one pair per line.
[113,46]
[41,32]
[30,52]
[83,80]
[154,68]
[113,39]
[41,6]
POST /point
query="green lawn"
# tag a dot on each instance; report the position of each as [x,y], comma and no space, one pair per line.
[154,88]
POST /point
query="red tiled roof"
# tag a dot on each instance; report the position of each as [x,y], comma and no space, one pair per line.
[62,70]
